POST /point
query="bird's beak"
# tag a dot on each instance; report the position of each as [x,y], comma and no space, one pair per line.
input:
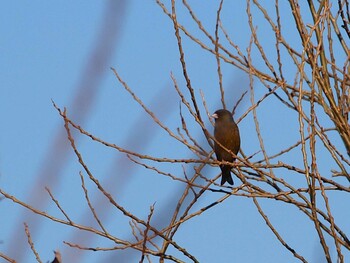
[215,116]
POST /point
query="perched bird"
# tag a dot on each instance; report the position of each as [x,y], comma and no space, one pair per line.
[227,134]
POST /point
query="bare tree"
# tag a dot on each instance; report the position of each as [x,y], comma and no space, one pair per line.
[309,79]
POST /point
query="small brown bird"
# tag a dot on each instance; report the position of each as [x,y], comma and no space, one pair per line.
[227,134]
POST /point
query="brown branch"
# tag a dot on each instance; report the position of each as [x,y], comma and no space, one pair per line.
[30,242]
[275,232]
[145,234]
[7,258]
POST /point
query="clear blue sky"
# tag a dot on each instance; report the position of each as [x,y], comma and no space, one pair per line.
[63,51]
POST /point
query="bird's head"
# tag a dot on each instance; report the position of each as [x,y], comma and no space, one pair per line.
[221,115]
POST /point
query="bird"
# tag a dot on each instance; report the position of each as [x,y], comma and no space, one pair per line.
[226,134]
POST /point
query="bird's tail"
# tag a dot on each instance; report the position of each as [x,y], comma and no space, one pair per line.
[226,174]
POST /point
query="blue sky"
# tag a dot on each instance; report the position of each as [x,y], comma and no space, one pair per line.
[63,51]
